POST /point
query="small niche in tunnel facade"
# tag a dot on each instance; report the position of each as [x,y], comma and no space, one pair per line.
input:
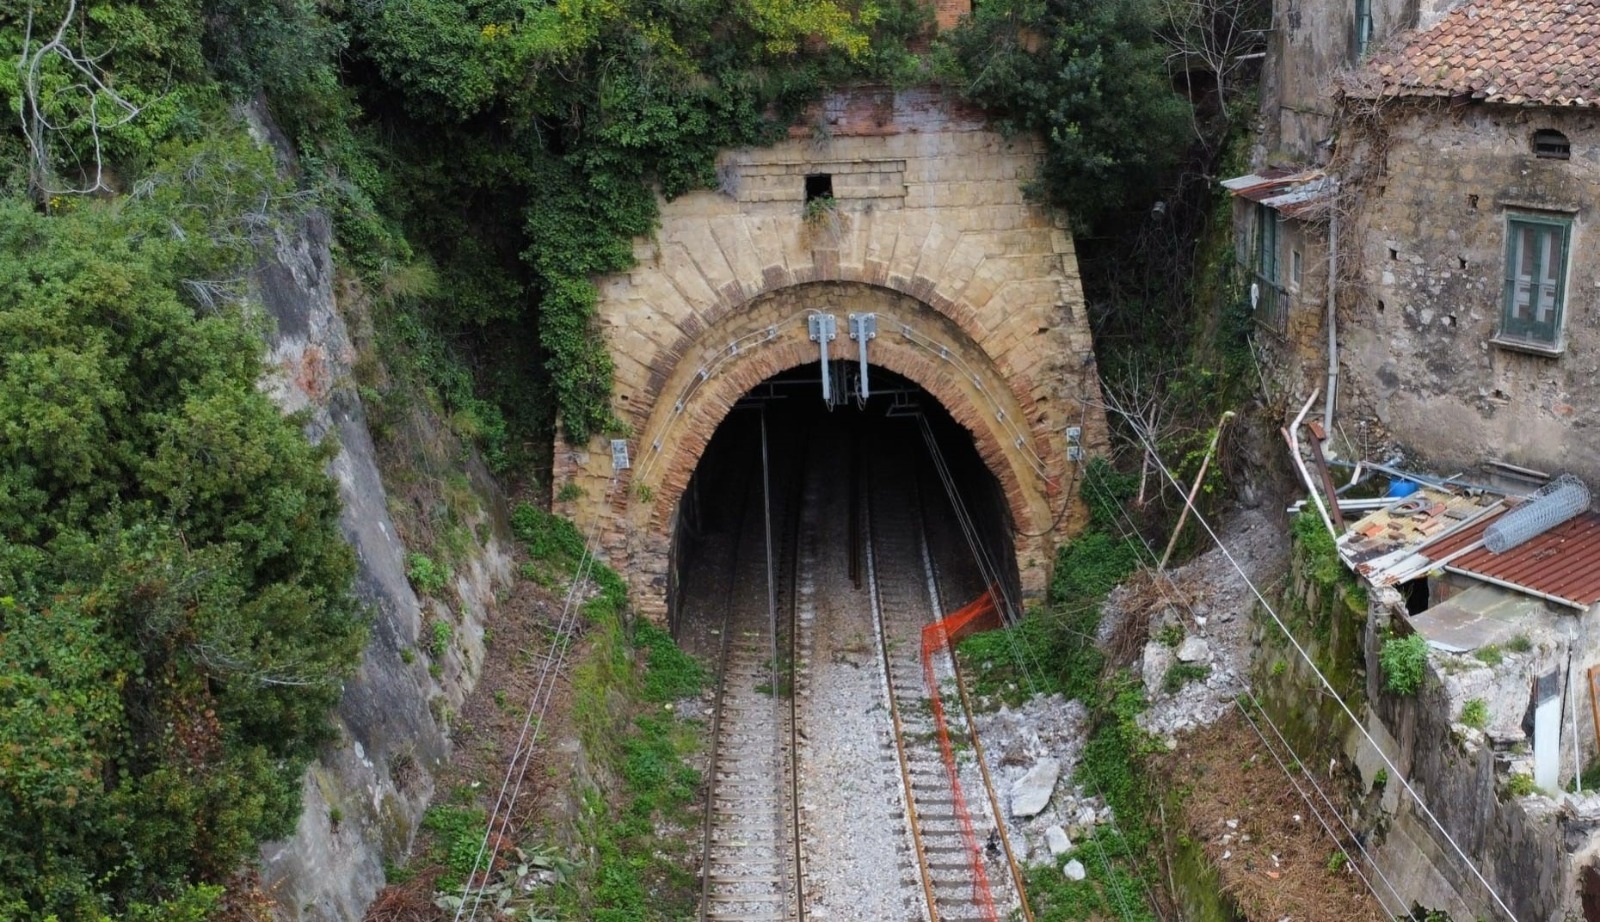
[819,186]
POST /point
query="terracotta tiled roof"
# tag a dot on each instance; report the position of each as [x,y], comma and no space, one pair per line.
[1522,52]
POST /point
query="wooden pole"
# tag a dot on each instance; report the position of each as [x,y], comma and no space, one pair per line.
[1199,478]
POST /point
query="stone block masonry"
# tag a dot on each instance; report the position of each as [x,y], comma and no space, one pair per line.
[976,292]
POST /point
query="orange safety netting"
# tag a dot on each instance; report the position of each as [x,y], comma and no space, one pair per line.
[969,619]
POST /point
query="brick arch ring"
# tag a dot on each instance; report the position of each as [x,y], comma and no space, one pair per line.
[741,348]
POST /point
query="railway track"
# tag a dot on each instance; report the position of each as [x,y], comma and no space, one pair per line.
[877,743]
[750,870]
[963,880]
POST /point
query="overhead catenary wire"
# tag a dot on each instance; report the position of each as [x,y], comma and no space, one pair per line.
[1163,582]
[1312,808]
[1394,770]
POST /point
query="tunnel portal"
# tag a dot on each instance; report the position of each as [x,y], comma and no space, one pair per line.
[903,206]
[783,445]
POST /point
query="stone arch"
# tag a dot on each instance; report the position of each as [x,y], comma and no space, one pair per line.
[928,222]
[689,407]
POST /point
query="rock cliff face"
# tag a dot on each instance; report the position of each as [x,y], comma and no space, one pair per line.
[366,792]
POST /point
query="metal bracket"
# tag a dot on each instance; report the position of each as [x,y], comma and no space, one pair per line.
[864,329]
[823,330]
[619,455]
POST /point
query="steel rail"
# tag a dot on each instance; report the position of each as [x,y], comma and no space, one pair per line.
[929,896]
[716,715]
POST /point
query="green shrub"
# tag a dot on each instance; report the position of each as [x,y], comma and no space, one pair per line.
[428,577]
[439,636]
[1521,785]
[1475,713]
[1489,654]
[177,618]
[1404,661]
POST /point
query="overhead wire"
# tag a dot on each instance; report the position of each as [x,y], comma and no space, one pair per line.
[1394,770]
[532,723]
[990,575]
[1400,902]
[1349,861]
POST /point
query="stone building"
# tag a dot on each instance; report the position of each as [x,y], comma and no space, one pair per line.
[1281,208]
[1468,328]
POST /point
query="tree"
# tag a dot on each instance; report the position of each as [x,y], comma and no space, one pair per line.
[1089,77]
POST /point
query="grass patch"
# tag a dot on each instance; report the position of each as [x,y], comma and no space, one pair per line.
[1475,713]
[1489,654]
[1519,644]
[1180,674]
[457,836]
[640,829]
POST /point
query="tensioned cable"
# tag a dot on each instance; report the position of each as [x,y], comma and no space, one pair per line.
[1328,686]
[533,719]
[1313,807]
[1360,846]
[1163,582]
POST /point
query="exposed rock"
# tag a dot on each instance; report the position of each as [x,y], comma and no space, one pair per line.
[1194,649]
[1056,838]
[1074,870]
[1157,660]
[1031,792]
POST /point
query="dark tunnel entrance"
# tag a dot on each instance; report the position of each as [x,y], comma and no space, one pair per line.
[829,456]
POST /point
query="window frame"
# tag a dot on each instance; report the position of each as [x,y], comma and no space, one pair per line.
[1271,301]
[1529,334]
[1361,39]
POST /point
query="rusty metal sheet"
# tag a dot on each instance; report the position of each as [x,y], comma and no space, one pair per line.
[1562,565]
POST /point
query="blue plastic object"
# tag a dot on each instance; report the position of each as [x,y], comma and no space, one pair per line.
[1398,488]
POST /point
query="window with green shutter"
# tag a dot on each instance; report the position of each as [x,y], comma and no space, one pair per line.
[1362,39]
[1535,279]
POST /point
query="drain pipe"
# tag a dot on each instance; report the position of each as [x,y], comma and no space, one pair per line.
[1333,286]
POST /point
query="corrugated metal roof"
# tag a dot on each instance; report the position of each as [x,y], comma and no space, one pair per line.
[1293,191]
[1384,546]
[1563,564]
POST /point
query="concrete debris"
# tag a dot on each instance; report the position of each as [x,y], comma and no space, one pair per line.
[1031,792]
[1194,649]
[1210,603]
[1056,839]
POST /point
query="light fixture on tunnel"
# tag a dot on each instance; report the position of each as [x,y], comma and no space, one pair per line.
[1074,443]
[864,329]
[823,329]
[619,455]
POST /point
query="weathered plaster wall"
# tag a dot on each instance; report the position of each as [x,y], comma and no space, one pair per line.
[1431,240]
[393,719]
[1311,42]
[1530,849]
[1294,352]
[930,230]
